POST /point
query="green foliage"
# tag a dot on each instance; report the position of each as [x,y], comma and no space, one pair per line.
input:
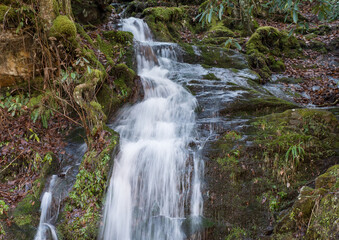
[245,10]
[90,185]
[232,135]
[324,9]
[232,42]
[83,208]
[3,207]
[237,233]
[297,154]
[15,105]
[3,211]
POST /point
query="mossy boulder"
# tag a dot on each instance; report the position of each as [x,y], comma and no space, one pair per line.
[252,185]
[220,57]
[254,103]
[219,30]
[315,212]
[218,34]
[267,42]
[210,76]
[270,40]
[166,22]
[118,36]
[126,87]
[64,28]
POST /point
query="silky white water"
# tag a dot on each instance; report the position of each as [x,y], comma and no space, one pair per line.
[155,182]
[45,229]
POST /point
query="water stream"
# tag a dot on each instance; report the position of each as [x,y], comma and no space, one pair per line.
[155,182]
[58,188]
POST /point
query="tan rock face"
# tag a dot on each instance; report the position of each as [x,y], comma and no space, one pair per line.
[16,65]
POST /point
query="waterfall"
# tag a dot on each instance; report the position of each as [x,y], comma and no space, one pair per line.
[155,184]
[46,214]
[58,189]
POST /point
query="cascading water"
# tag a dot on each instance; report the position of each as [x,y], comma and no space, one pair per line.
[150,189]
[58,189]
[46,214]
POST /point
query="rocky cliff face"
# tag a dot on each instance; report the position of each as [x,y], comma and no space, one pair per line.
[16,64]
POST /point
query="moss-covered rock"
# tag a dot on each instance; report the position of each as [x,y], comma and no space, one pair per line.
[64,28]
[219,30]
[265,43]
[251,182]
[126,88]
[119,37]
[253,103]
[82,212]
[210,76]
[271,40]
[166,22]
[221,57]
[315,212]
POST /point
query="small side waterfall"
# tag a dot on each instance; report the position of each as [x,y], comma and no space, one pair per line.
[46,214]
[155,184]
[58,189]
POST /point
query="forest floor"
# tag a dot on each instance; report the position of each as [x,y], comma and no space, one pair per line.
[318,70]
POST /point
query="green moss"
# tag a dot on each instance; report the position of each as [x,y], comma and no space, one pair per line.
[119,37]
[255,105]
[83,34]
[63,27]
[220,30]
[90,55]
[210,76]
[328,180]
[277,66]
[6,11]
[82,212]
[165,14]
[324,222]
[219,57]
[26,214]
[166,22]
[315,210]
[270,41]
[237,233]
[318,46]
[113,98]
[257,61]
[105,98]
